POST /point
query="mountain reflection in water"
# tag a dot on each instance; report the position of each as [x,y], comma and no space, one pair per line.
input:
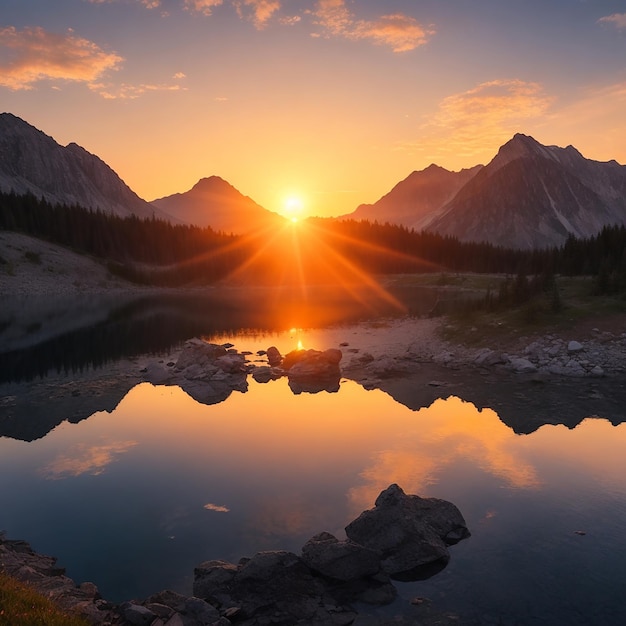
[135,498]
[132,485]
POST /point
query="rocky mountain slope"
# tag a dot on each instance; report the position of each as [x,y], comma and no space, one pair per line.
[33,162]
[528,196]
[415,200]
[214,202]
[533,196]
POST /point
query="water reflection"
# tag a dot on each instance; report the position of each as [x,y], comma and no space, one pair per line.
[85,459]
[144,493]
[40,335]
[446,434]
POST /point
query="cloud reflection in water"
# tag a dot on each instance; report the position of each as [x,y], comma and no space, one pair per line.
[85,459]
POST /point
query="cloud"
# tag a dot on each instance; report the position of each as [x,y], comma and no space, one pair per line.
[482,118]
[453,431]
[34,54]
[398,31]
[83,459]
[130,92]
[216,507]
[149,4]
[618,20]
[261,10]
[202,6]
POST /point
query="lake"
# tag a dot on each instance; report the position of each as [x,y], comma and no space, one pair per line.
[132,485]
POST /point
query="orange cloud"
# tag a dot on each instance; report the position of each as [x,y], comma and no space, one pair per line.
[218,508]
[35,54]
[455,431]
[618,20]
[130,92]
[149,4]
[401,32]
[83,459]
[481,119]
[262,10]
[202,6]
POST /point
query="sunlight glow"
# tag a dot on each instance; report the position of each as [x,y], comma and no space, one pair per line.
[293,207]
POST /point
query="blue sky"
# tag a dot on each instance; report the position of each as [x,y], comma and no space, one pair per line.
[331,101]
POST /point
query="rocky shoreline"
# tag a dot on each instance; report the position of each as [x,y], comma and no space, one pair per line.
[210,372]
[372,355]
[399,538]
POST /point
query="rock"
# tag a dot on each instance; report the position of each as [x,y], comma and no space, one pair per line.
[522,366]
[488,357]
[597,371]
[343,560]
[264,373]
[271,587]
[274,357]
[574,346]
[313,371]
[197,351]
[387,367]
[330,385]
[231,363]
[137,615]
[205,371]
[202,612]
[311,358]
[408,531]
[443,358]
[213,581]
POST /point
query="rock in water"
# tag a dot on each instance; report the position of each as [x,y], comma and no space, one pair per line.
[409,531]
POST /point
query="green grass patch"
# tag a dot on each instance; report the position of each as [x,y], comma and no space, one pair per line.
[474,326]
[21,605]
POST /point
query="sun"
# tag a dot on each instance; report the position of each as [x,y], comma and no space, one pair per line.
[293,208]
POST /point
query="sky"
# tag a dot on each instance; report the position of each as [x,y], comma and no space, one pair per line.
[313,105]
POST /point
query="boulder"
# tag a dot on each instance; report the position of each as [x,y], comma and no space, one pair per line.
[388,367]
[409,532]
[265,373]
[343,560]
[207,372]
[312,371]
[272,587]
[574,346]
[197,351]
[522,366]
[274,357]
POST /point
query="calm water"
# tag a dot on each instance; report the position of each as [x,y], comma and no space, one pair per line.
[134,497]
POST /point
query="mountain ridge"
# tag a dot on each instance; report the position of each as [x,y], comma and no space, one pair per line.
[33,162]
[214,202]
[528,196]
[535,196]
[412,201]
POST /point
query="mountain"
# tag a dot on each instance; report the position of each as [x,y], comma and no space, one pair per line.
[533,196]
[31,161]
[528,196]
[214,202]
[414,201]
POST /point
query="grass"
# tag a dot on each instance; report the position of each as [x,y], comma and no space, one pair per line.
[21,605]
[536,316]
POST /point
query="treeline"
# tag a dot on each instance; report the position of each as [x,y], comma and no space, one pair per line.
[157,252]
[128,244]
